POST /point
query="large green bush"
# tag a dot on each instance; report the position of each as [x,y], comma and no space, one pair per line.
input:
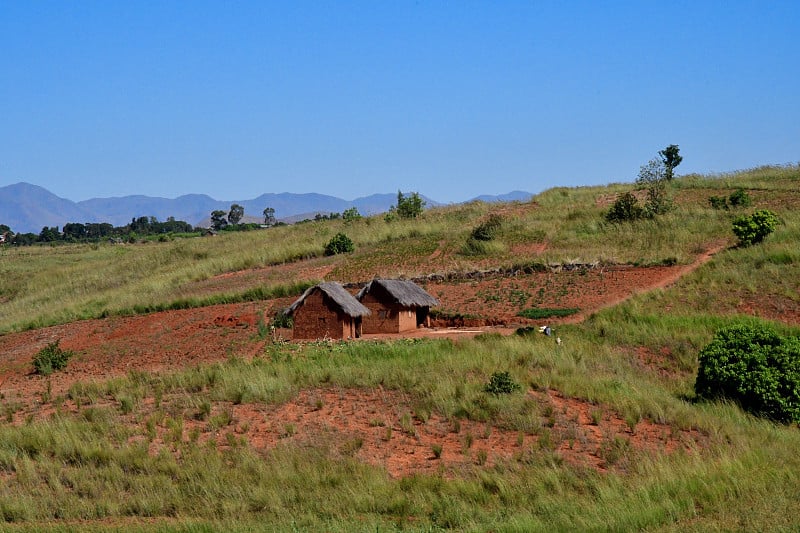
[755,228]
[755,367]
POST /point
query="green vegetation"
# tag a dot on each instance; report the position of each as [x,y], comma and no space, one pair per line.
[172,452]
[755,367]
[501,383]
[626,208]
[671,158]
[339,244]
[544,312]
[754,228]
[50,359]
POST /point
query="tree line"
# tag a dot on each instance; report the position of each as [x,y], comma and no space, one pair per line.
[76,232]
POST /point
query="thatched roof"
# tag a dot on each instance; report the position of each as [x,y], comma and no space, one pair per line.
[338,295]
[402,292]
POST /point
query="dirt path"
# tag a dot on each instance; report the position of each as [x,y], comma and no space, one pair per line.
[371,425]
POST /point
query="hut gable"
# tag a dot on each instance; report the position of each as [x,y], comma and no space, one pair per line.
[327,310]
[399,292]
[396,306]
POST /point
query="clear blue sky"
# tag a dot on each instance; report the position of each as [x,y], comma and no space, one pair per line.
[448,98]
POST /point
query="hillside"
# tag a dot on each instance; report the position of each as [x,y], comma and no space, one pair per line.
[179,412]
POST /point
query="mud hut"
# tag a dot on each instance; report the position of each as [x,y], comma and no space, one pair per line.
[327,310]
[396,306]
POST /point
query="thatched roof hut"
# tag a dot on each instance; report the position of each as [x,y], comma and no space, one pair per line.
[327,310]
[397,305]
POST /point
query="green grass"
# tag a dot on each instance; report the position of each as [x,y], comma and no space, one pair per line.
[95,471]
[543,312]
[50,285]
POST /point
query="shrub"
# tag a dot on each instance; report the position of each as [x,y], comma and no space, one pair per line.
[339,244]
[51,358]
[625,208]
[487,230]
[501,383]
[755,367]
[755,228]
[718,202]
[740,198]
[282,320]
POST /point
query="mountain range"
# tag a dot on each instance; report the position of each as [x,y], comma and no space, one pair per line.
[28,208]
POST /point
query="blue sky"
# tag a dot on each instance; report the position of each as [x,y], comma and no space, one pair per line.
[451,99]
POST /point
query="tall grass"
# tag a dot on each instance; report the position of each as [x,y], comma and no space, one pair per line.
[97,466]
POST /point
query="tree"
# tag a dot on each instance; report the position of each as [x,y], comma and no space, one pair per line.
[74,231]
[671,158]
[49,234]
[218,220]
[409,206]
[236,213]
[269,216]
[756,227]
[351,214]
[653,176]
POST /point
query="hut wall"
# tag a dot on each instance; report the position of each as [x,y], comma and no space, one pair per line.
[387,319]
[315,320]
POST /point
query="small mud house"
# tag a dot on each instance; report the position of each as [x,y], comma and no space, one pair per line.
[327,310]
[395,306]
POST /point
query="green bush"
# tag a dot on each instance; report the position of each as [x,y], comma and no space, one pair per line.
[755,367]
[755,228]
[50,358]
[339,244]
[501,383]
[718,202]
[282,320]
[740,198]
[487,230]
[625,208]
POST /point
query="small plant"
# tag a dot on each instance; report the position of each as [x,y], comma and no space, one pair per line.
[481,457]
[487,230]
[407,425]
[437,450]
[501,383]
[754,228]
[339,244]
[50,359]
[469,439]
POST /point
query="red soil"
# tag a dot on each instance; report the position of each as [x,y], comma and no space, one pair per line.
[355,422]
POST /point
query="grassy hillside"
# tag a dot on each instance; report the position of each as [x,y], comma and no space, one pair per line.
[47,285]
[170,452]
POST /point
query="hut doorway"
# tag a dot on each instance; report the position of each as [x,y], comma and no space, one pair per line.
[423,314]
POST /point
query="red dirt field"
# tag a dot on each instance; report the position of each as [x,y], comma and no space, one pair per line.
[355,422]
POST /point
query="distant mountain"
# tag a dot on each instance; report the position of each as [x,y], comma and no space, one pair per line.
[27,208]
[513,196]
